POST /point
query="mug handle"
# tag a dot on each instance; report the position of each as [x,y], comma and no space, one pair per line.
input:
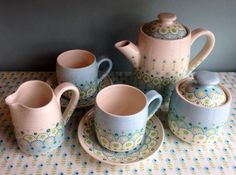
[101,60]
[154,100]
[205,51]
[59,90]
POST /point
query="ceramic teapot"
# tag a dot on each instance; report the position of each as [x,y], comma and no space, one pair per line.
[162,54]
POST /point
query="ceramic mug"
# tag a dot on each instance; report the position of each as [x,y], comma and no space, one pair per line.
[81,68]
[121,115]
[36,115]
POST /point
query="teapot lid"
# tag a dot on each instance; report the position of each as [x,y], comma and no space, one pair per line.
[203,90]
[165,28]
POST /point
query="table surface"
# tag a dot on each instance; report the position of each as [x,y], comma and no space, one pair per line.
[174,157]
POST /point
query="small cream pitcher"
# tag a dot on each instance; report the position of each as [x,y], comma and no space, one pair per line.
[36,115]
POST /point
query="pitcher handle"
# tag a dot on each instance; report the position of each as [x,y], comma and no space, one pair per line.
[101,60]
[205,51]
[154,101]
[59,90]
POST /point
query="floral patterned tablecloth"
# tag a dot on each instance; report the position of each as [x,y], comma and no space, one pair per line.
[174,157]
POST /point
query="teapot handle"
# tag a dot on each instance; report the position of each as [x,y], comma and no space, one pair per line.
[59,90]
[205,51]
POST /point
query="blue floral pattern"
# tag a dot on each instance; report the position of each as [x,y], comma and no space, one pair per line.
[83,102]
[87,90]
[208,96]
[157,30]
[119,141]
[174,157]
[190,132]
[41,142]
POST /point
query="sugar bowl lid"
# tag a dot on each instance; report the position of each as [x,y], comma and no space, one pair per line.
[165,28]
[204,89]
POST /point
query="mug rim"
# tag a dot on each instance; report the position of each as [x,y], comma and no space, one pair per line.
[116,115]
[226,91]
[61,56]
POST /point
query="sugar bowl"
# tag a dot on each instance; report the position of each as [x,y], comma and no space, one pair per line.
[199,108]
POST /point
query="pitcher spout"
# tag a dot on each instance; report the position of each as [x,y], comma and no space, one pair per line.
[10,101]
[131,51]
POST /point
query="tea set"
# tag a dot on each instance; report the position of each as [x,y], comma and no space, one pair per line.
[123,128]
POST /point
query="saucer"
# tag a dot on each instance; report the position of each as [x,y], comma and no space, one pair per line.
[52,81]
[154,136]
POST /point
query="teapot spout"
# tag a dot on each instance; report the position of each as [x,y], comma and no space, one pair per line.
[131,51]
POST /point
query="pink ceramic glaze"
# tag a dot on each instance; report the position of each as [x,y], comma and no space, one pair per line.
[75,59]
[161,62]
[123,100]
[36,114]
[161,57]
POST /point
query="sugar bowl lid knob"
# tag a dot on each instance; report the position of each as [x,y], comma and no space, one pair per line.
[207,78]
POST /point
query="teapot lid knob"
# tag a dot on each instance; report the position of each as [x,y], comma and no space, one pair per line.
[167,18]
